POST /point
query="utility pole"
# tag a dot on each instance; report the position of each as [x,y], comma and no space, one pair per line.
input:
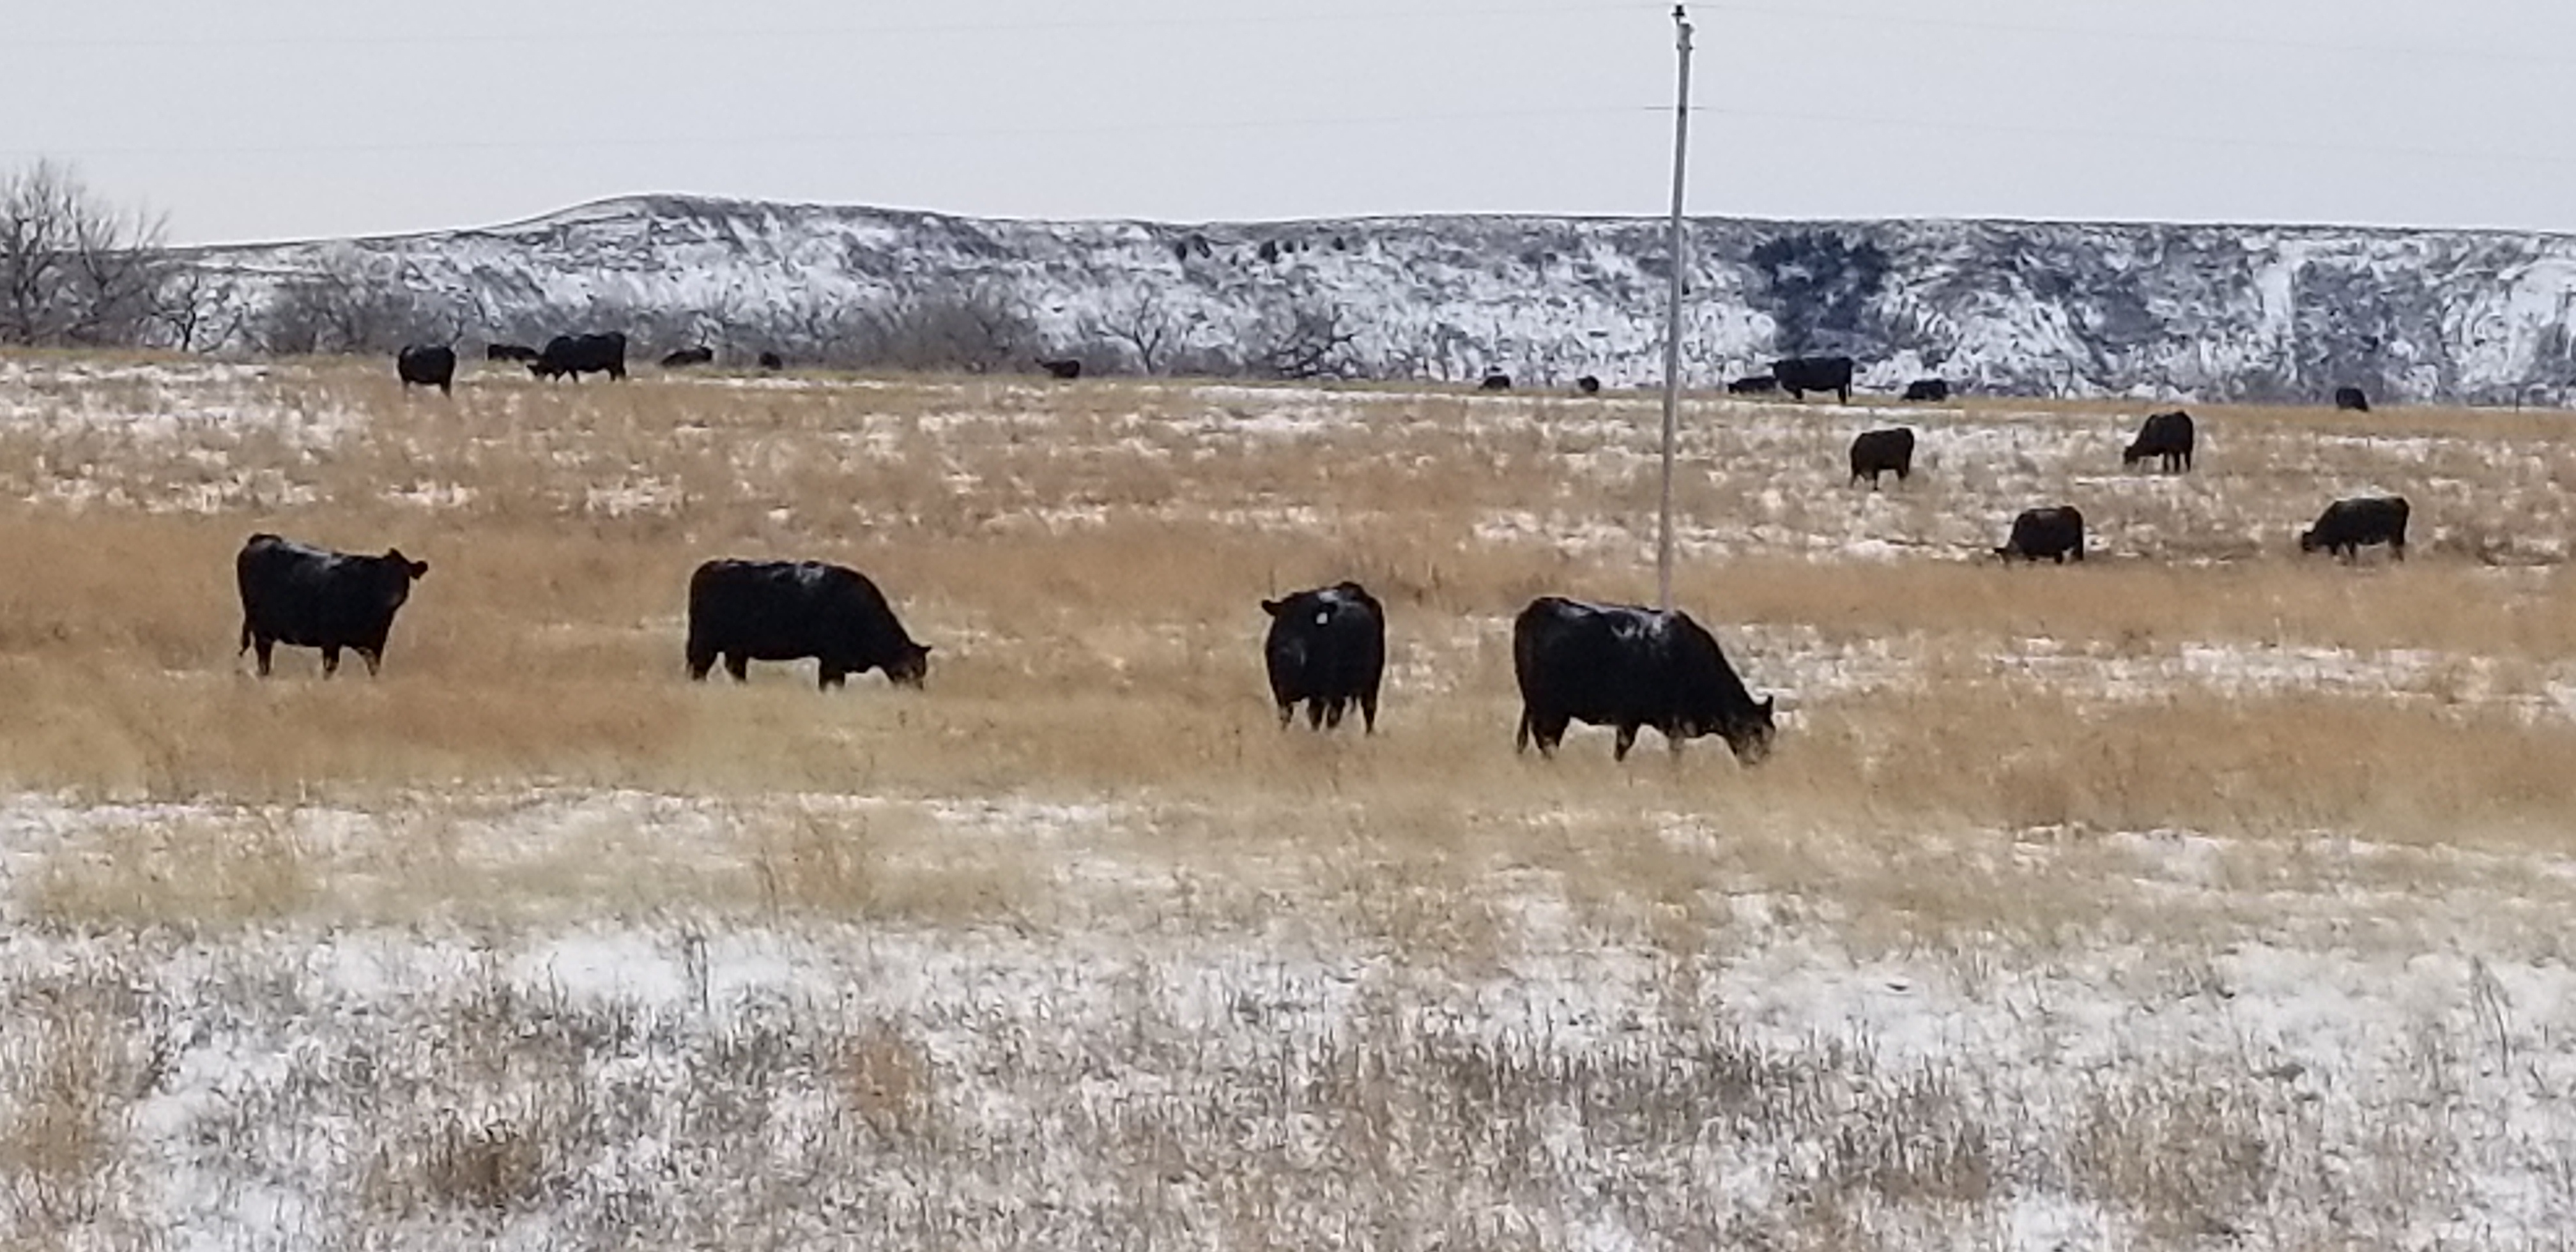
[1673,319]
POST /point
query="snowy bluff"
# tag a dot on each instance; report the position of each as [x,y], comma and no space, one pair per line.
[2046,308]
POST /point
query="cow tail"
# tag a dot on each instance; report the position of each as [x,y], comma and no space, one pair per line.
[245,638]
[1520,737]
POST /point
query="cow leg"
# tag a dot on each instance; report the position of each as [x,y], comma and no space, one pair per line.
[700,661]
[1627,739]
[829,676]
[260,646]
[2397,549]
[330,659]
[1333,712]
[374,657]
[738,664]
[1314,712]
[1287,713]
[1842,394]
[1368,710]
[1521,733]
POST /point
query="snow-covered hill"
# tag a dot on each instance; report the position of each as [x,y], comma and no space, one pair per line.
[2028,307]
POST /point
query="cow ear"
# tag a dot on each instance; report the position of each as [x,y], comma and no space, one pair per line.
[419,568]
[1272,607]
[1767,702]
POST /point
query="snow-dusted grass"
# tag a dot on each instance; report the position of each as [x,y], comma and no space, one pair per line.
[2200,895]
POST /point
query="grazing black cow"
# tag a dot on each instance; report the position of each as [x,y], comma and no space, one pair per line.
[1753,385]
[308,597]
[1875,452]
[1496,381]
[1326,647]
[686,357]
[1065,368]
[2051,533]
[603,353]
[508,352]
[427,365]
[1935,390]
[1588,385]
[772,361]
[745,611]
[1625,666]
[1799,375]
[2166,436]
[2351,398]
[2347,525]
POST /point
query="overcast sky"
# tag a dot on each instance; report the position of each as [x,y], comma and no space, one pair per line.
[267,119]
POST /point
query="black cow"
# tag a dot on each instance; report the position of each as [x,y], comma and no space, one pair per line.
[307,597]
[2352,399]
[2166,436]
[1496,381]
[2346,525]
[427,365]
[772,361]
[686,357]
[508,352]
[1625,666]
[1935,390]
[745,611]
[2051,533]
[1326,647]
[1753,385]
[1588,385]
[603,353]
[1875,452]
[1065,368]
[1799,375]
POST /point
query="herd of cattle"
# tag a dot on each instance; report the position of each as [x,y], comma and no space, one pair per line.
[1622,666]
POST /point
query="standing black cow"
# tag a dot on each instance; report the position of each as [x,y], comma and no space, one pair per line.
[1626,666]
[1067,368]
[1932,389]
[602,353]
[772,361]
[2165,436]
[687,357]
[1588,385]
[1326,647]
[308,597]
[1799,375]
[2045,534]
[745,611]
[1875,452]
[2351,398]
[1497,381]
[508,352]
[427,365]
[1753,385]
[2347,525]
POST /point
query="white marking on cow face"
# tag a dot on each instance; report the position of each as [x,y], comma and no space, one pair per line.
[1323,617]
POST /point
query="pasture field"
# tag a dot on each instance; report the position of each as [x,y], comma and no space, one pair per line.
[2199,895]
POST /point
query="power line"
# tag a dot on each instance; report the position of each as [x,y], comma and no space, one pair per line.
[2194,39]
[838,30]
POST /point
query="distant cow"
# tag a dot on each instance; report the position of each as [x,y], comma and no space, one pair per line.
[1326,647]
[2166,436]
[1588,385]
[508,352]
[1497,381]
[427,365]
[686,357]
[772,361]
[745,611]
[1625,666]
[1932,389]
[2347,525]
[603,353]
[2351,398]
[2045,534]
[1065,368]
[1799,375]
[308,597]
[1876,452]
[1753,385]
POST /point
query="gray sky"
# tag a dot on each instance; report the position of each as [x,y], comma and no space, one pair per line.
[260,119]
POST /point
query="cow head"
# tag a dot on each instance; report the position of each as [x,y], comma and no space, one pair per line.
[1749,734]
[2307,541]
[398,573]
[910,665]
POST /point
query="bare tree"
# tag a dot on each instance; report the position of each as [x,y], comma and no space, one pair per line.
[354,303]
[1310,338]
[74,269]
[1144,325]
[194,309]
